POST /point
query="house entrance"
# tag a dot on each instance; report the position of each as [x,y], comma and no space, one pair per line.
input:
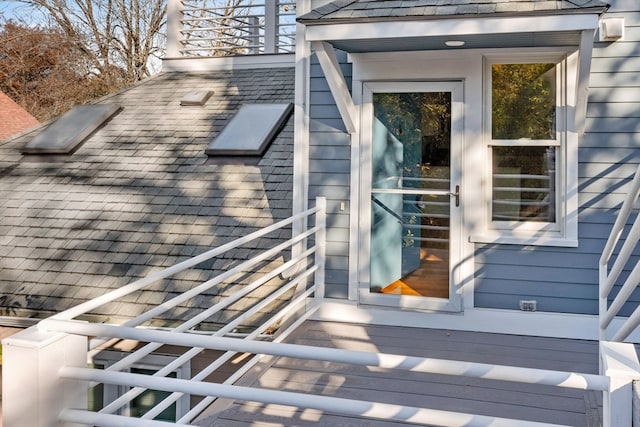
[414,194]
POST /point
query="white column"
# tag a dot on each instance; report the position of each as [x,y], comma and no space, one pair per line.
[270,26]
[620,363]
[33,393]
[301,127]
[174,26]
[636,404]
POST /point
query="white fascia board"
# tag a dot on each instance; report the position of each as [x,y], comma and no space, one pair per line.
[450,27]
[203,64]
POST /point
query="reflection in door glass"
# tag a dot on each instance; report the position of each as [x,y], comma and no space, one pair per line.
[410,225]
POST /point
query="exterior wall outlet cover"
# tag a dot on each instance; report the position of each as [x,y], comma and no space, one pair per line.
[528,305]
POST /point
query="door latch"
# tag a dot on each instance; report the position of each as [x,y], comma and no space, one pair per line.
[456,194]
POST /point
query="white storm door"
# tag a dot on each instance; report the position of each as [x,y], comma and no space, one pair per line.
[411,212]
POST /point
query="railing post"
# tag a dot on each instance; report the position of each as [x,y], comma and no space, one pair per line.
[254,35]
[321,237]
[174,28]
[33,392]
[620,363]
[270,26]
[636,404]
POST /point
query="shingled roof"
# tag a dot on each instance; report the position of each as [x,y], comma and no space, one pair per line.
[380,9]
[139,195]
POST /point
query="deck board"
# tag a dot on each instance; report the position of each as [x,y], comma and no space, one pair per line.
[470,395]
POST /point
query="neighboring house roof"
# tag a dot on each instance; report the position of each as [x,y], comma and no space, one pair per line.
[384,9]
[13,118]
[139,195]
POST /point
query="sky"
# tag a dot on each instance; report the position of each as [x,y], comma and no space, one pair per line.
[13,9]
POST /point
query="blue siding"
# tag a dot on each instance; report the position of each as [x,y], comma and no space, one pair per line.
[560,279]
[566,279]
[329,175]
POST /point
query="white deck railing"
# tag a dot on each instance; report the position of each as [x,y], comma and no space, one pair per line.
[40,362]
[46,366]
[201,28]
[620,268]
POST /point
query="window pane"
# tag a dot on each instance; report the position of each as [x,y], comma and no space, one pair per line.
[524,184]
[411,140]
[95,394]
[144,402]
[410,228]
[523,101]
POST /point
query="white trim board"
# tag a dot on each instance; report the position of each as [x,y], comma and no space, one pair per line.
[545,324]
[414,67]
[228,63]
[449,27]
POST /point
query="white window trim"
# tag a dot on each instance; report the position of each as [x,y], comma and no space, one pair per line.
[152,362]
[565,231]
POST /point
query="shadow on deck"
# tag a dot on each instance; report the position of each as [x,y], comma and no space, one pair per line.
[484,397]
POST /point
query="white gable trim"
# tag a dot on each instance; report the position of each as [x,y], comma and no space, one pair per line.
[321,34]
[450,27]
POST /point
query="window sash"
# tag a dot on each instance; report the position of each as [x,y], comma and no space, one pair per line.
[524,193]
[515,230]
[529,118]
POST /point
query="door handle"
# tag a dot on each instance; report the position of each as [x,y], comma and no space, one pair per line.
[456,194]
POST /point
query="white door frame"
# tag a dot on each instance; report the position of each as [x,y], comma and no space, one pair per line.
[454,302]
[464,69]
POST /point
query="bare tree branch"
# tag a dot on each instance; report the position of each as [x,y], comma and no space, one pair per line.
[113,34]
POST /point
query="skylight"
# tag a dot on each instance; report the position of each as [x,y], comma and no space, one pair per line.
[76,125]
[251,130]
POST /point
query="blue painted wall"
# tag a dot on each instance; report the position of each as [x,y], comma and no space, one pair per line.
[560,279]
[329,175]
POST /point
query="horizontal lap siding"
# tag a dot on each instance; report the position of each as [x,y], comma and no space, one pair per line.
[329,175]
[566,279]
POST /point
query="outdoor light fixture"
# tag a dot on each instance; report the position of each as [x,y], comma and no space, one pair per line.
[454,43]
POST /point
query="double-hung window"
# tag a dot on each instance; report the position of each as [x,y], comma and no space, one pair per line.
[139,404]
[526,173]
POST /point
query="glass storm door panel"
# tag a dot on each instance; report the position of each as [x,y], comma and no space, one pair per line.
[412,198]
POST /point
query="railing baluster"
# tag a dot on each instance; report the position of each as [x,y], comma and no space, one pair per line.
[248,28]
[321,236]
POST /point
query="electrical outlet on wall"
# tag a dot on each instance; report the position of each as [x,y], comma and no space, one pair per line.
[528,305]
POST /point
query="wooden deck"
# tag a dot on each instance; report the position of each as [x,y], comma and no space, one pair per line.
[485,397]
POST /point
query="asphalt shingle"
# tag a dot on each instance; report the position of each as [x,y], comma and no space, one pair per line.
[139,195]
[376,9]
